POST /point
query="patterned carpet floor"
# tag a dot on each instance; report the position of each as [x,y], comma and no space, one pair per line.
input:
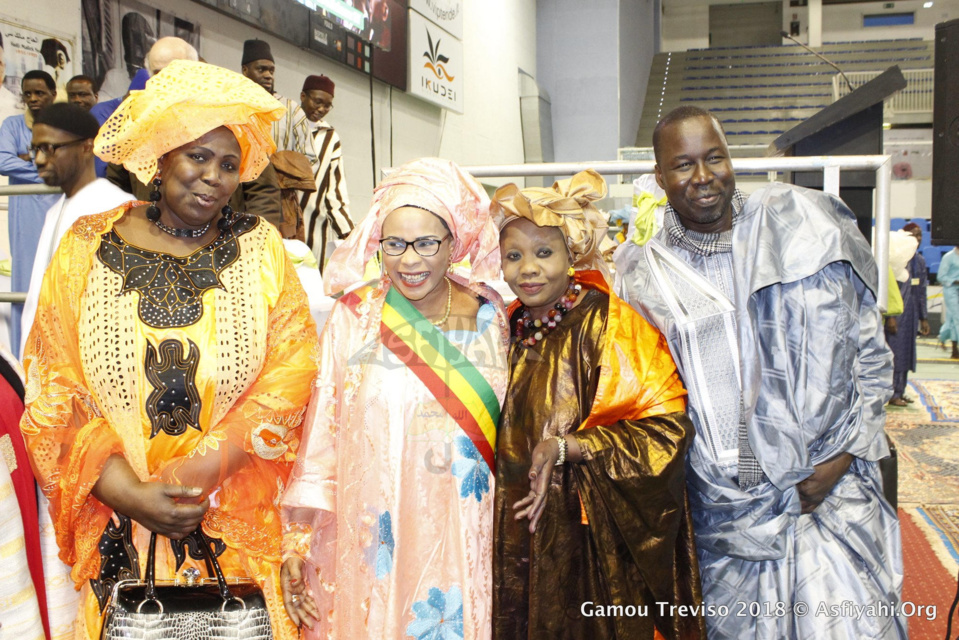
[926,435]
[926,581]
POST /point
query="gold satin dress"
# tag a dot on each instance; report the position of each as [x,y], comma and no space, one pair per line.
[637,547]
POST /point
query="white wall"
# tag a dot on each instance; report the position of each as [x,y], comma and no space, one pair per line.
[578,60]
[594,62]
[637,46]
[499,37]
[60,16]
[686,22]
[844,22]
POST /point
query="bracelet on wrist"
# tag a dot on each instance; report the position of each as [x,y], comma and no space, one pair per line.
[563,450]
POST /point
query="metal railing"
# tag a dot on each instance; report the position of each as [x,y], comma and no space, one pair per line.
[917,97]
[23,190]
[831,166]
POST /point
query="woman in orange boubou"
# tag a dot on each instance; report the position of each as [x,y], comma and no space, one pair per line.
[173,352]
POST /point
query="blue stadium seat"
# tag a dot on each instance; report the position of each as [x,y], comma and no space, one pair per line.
[933,256]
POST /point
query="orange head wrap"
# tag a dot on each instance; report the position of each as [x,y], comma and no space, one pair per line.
[182,103]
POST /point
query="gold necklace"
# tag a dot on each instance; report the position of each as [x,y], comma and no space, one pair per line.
[449,304]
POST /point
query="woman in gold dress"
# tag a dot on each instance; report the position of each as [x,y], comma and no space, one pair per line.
[590,506]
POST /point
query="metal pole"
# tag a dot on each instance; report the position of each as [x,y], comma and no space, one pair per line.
[880,247]
[28,190]
[805,163]
[830,179]
[615,167]
[23,190]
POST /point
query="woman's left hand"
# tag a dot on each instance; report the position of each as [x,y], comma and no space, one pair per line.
[545,456]
[297,598]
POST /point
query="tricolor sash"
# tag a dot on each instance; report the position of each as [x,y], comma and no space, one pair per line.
[452,379]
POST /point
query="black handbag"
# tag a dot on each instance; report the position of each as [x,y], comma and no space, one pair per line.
[188,608]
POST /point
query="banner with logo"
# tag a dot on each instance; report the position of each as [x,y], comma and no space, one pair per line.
[436,64]
[447,14]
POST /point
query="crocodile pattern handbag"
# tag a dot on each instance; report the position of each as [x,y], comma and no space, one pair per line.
[186,609]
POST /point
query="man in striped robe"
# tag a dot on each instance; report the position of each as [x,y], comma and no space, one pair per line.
[325,211]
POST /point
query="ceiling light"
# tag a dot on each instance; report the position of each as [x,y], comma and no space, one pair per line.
[927,5]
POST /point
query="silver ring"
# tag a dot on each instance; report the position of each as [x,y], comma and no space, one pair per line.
[295,598]
[233,599]
[154,601]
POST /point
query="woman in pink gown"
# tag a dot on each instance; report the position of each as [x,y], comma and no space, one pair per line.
[389,514]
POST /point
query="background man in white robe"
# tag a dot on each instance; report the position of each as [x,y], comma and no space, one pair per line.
[63,136]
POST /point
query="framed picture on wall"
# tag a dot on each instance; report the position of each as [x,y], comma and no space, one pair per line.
[23,49]
[117,35]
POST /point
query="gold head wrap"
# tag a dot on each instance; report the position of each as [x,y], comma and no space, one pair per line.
[567,206]
[182,103]
[440,187]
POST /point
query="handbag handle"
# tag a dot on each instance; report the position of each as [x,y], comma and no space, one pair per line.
[200,538]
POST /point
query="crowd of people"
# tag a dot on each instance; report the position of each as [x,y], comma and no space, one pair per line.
[307,199]
[678,442]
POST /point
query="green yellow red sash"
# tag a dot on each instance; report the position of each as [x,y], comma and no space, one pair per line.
[452,379]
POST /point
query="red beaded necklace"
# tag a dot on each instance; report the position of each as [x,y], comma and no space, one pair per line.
[529,331]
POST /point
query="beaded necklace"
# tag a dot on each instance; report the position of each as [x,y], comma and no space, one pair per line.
[182,233]
[449,304]
[535,330]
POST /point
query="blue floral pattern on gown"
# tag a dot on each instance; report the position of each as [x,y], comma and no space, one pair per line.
[471,469]
[440,617]
[380,553]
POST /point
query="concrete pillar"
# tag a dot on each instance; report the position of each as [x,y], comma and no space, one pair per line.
[815,23]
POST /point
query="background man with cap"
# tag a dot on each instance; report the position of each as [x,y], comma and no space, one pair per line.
[26,213]
[327,208]
[294,173]
[62,145]
[259,66]
[260,197]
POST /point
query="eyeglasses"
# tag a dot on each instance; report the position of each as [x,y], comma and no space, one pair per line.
[425,247]
[48,149]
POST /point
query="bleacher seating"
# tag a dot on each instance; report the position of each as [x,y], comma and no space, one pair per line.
[759,92]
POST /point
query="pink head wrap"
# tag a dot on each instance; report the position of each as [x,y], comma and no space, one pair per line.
[440,187]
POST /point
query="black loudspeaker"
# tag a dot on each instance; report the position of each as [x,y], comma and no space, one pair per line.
[945,137]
